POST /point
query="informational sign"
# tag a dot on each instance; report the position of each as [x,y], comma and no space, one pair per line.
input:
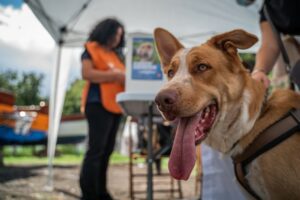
[145,61]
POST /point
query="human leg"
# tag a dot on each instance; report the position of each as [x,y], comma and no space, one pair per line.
[93,172]
[109,147]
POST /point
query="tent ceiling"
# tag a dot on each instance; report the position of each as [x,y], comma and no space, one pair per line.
[192,20]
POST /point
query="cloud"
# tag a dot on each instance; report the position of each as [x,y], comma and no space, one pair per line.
[26,46]
[21,28]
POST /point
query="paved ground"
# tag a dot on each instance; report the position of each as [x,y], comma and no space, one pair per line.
[28,183]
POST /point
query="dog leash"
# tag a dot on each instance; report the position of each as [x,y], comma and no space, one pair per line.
[269,138]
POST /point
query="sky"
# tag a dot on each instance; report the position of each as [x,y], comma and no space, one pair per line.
[25,46]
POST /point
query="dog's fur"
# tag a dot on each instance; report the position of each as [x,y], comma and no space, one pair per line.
[242,115]
[145,51]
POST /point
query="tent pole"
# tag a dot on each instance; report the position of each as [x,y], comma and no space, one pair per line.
[50,151]
[54,102]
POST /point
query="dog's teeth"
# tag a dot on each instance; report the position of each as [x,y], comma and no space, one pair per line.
[206,114]
[207,110]
[196,131]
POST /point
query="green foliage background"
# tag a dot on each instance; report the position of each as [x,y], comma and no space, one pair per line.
[25,87]
[73,97]
[249,58]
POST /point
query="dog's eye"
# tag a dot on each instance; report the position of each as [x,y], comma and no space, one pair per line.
[171,73]
[202,67]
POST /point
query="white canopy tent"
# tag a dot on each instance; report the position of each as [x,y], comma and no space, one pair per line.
[69,21]
[193,21]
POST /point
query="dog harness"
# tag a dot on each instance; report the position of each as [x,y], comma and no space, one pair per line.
[269,138]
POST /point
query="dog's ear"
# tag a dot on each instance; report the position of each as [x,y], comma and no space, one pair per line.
[166,44]
[233,40]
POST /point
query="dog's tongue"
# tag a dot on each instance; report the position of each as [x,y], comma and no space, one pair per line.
[183,154]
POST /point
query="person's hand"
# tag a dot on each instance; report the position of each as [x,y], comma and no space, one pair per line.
[119,76]
[262,77]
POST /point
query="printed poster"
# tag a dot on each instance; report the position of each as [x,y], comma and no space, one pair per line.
[145,61]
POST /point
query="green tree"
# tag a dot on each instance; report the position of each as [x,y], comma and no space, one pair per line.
[25,87]
[248,58]
[73,98]
[8,80]
[28,89]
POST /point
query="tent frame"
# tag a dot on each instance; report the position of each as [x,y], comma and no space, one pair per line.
[67,28]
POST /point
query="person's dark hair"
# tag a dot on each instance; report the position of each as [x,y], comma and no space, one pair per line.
[105,31]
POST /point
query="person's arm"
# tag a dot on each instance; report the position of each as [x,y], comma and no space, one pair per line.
[91,74]
[266,55]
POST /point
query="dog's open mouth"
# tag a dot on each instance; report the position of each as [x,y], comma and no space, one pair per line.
[190,131]
[207,118]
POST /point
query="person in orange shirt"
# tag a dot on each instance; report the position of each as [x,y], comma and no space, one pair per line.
[104,72]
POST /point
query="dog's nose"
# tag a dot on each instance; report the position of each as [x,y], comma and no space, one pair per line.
[166,98]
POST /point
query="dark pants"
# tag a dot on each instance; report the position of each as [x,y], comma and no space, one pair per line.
[103,127]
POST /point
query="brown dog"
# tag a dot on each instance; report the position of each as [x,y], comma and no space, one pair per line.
[214,100]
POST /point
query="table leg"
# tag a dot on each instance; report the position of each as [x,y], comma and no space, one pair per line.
[150,154]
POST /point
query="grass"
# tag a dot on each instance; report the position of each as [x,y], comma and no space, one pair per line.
[32,160]
[69,155]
